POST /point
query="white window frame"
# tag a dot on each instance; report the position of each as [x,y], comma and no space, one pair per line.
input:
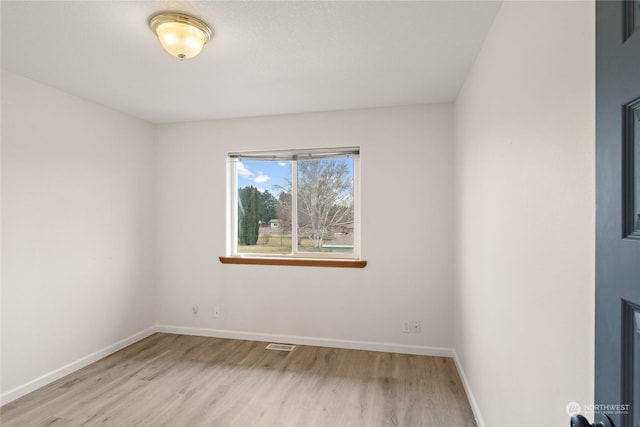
[293,156]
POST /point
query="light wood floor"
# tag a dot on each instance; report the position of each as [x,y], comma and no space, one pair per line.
[178,380]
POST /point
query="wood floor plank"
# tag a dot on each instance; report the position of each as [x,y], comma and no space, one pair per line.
[179,380]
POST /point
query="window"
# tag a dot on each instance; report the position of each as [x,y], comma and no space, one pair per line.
[294,204]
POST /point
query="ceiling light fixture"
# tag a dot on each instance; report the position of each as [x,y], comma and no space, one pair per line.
[181,35]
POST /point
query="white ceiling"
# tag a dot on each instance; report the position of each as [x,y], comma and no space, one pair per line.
[265,57]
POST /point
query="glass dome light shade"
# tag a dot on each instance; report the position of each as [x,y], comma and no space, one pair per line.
[180,35]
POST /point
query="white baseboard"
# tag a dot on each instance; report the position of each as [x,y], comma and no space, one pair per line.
[319,342]
[45,379]
[467,388]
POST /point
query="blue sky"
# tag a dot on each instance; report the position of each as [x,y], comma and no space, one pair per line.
[263,174]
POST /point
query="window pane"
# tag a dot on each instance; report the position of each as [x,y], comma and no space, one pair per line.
[264,206]
[325,208]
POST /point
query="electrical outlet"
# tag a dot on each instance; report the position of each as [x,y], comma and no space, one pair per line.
[416,327]
[406,328]
[195,309]
[216,312]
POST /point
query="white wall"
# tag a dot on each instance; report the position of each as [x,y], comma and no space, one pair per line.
[525,150]
[406,174]
[77,232]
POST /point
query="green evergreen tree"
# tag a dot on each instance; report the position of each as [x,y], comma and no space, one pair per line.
[248,219]
[267,207]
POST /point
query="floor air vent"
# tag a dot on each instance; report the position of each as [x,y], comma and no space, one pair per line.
[281,347]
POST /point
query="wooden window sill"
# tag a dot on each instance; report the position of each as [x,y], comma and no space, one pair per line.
[299,262]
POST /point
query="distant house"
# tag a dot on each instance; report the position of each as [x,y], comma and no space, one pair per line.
[274,224]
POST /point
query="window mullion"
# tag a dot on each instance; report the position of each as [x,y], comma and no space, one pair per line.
[356,207]
[294,207]
[232,198]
